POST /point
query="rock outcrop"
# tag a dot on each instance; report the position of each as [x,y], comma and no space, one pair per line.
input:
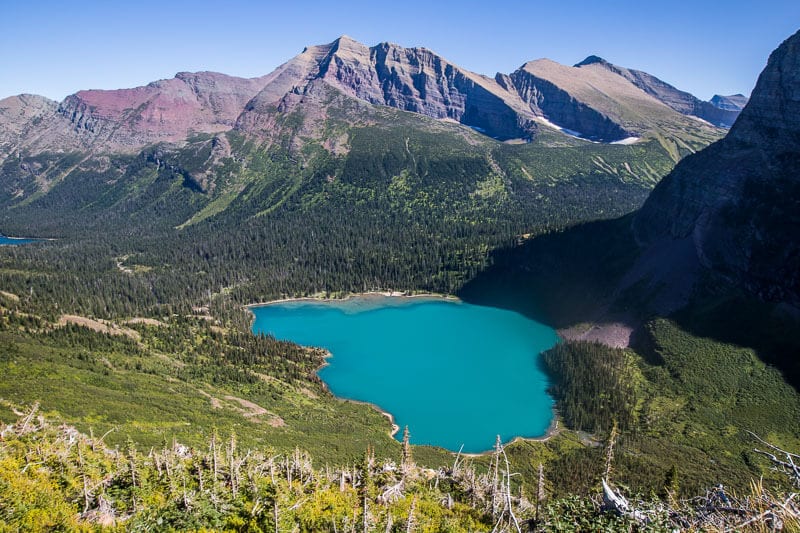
[165,110]
[18,114]
[20,117]
[411,79]
[602,102]
[546,88]
[733,102]
[739,200]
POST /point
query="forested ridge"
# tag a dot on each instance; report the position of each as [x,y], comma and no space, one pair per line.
[412,205]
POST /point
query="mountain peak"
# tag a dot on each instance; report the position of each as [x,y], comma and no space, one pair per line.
[591,60]
[345,44]
[771,117]
[733,102]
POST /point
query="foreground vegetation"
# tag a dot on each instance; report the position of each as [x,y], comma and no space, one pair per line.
[53,477]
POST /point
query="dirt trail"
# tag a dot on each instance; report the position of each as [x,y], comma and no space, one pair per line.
[103,326]
[247,409]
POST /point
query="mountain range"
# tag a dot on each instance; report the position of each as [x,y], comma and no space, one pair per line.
[593,99]
[595,121]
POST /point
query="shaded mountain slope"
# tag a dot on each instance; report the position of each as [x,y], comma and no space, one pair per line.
[739,200]
[716,246]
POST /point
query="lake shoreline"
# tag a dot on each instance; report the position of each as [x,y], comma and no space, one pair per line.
[354,295]
[394,427]
[327,354]
[5,240]
[552,430]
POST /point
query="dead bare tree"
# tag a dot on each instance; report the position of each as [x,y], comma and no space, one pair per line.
[410,519]
[612,440]
[720,510]
[495,480]
[540,494]
[502,500]
[788,463]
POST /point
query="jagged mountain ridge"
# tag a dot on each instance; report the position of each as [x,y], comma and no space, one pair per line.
[411,79]
[737,203]
[720,110]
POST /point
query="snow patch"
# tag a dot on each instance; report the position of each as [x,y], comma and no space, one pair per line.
[627,140]
[581,136]
[565,131]
[701,120]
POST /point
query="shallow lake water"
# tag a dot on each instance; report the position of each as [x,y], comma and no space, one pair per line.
[11,240]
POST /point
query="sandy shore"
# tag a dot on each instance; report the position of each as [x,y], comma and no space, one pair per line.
[350,296]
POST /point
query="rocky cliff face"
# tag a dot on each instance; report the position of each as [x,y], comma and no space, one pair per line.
[20,117]
[739,200]
[602,102]
[417,80]
[22,112]
[561,106]
[411,79]
[733,102]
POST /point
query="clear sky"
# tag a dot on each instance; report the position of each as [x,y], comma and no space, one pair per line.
[55,48]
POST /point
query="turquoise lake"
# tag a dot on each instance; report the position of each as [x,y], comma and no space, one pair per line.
[456,374]
[11,240]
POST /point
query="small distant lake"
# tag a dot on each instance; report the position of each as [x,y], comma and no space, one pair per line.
[454,373]
[12,240]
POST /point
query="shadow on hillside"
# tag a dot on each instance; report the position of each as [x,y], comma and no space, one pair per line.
[569,278]
[725,315]
[560,279]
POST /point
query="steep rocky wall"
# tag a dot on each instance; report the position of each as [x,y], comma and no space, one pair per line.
[739,200]
[566,111]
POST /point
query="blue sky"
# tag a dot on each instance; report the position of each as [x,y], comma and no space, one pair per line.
[55,48]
